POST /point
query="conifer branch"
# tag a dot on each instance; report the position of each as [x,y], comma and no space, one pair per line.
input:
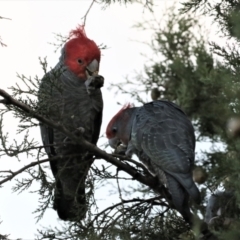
[148,179]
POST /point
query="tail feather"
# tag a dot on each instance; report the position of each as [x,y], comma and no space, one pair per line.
[70,197]
[68,207]
[194,193]
[179,197]
[188,184]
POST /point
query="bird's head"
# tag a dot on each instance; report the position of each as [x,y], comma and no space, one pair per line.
[118,130]
[82,55]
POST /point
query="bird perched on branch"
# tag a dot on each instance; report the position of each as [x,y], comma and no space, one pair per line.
[70,95]
[162,136]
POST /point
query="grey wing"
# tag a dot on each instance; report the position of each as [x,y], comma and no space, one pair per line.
[180,197]
[166,136]
[46,132]
[64,99]
[48,139]
[166,133]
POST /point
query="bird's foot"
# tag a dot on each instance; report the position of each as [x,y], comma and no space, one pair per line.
[78,132]
[94,82]
[120,149]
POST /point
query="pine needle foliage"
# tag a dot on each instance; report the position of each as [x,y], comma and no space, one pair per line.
[203,78]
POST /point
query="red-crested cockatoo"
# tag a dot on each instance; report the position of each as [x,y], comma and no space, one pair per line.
[162,136]
[70,94]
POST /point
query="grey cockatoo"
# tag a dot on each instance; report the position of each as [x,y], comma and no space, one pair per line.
[70,94]
[162,136]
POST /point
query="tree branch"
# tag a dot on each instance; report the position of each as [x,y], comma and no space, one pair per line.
[125,158]
[140,201]
[86,14]
[32,164]
[5,18]
[1,43]
[148,180]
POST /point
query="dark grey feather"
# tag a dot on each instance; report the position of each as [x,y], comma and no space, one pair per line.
[162,132]
[63,98]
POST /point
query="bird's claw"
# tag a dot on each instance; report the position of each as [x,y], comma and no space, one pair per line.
[94,82]
[65,141]
[79,131]
[120,149]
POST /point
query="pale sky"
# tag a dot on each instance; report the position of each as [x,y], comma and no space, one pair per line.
[27,37]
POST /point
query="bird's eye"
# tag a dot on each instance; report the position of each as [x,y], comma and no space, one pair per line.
[80,61]
[114,130]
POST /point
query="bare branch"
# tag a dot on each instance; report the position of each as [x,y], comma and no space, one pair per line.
[5,18]
[86,14]
[1,43]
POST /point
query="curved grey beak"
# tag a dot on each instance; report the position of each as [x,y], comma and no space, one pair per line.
[92,68]
[94,81]
[114,142]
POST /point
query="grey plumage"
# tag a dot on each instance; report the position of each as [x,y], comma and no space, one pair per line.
[64,98]
[162,136]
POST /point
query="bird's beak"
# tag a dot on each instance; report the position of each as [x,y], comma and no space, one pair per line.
[92,68]
[94,81]
[114,142]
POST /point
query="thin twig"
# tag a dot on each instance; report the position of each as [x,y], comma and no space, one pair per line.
[32,164]
[86,14]
[5,18]
[12,152]
[1,43]
[141,201]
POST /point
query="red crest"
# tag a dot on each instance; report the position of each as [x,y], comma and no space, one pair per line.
[114,119]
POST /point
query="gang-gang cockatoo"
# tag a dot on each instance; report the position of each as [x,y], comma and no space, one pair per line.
[162,136]
[70,95]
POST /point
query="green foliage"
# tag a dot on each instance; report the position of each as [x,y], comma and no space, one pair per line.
[204,80]
[225,12]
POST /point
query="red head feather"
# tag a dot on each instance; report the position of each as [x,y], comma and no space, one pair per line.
[79,32]
[109,132]
[80,47]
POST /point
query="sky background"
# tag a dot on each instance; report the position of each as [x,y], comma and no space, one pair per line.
[27,36]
